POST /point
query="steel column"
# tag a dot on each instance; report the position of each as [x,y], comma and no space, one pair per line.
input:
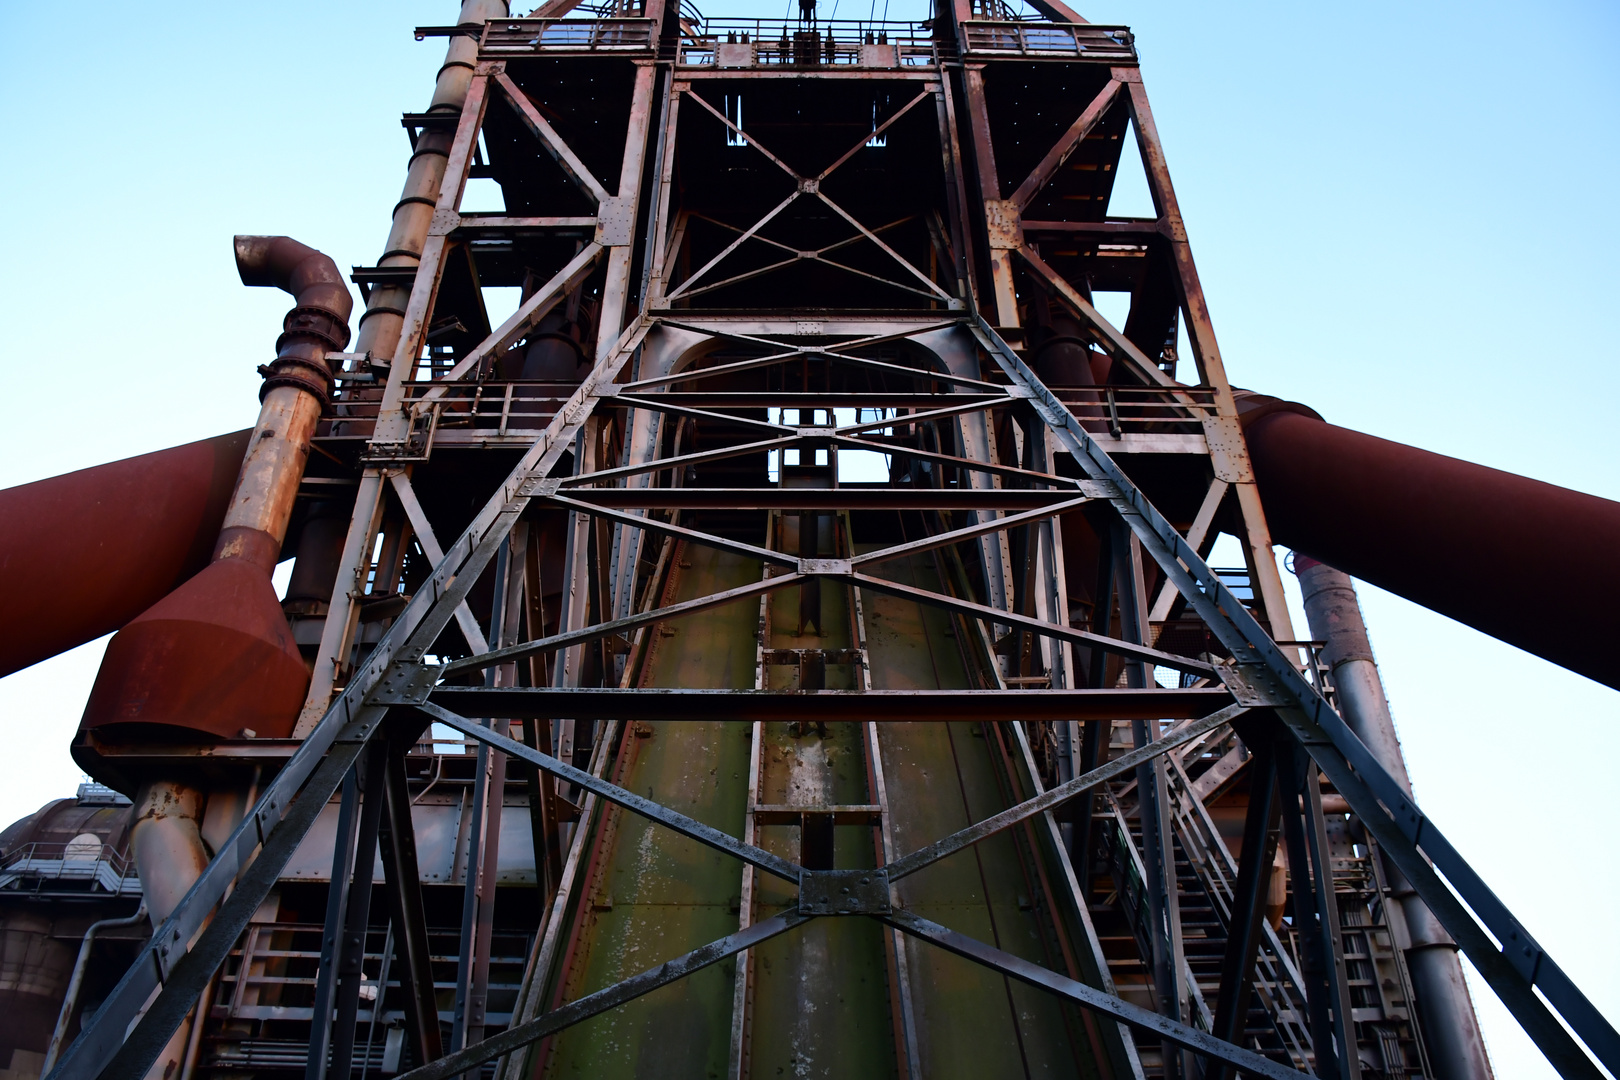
[338,895]
[403,882]
[1248,904]
[370,772]
[1316,915]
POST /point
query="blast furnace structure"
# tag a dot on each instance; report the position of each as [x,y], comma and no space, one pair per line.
[785,645]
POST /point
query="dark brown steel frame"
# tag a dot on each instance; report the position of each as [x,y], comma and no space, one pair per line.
[183,954]
[1262,677]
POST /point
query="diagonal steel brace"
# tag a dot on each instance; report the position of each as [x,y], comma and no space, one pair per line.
[1519,966]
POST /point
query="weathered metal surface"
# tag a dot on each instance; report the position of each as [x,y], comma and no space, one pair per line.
[647,894]
[215,656]
[692,703]
[789,1020]
[1000,670]
[79,557]
[1454,1042]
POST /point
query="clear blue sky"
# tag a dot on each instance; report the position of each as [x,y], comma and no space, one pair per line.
[1404,215]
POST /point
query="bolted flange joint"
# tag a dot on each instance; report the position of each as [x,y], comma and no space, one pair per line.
[844,892]
[311,376]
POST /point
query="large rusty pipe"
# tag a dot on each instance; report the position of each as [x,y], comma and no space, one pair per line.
[1526,562]
[1446,1012]
[297,387]
[81,555]
[84,553]
[216,656]
[384,316]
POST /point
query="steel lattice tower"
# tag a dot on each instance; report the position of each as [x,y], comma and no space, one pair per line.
[822,581]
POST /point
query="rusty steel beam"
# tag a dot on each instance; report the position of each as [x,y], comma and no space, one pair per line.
[845,705]
[994,638]
[844,498]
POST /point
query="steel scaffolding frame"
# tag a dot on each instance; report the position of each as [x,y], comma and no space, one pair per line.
[649,376]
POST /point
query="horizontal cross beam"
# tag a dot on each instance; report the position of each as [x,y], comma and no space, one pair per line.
[1199,1042]
[611,997]
[670,703]
[841,498]
[663,815]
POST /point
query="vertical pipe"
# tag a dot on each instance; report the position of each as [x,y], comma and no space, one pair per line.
[384,319]
[1450,1029]
[59,1036]
[216,655]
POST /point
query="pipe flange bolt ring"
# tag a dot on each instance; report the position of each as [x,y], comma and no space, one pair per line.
[306,375]
[316,322]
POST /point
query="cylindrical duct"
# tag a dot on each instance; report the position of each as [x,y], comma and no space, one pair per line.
[320,554]
[71,1001]
[384,316]
[83,554]
[1450,1029]
[216,655]
[1526,562]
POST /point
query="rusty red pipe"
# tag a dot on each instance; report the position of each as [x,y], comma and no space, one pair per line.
[317,285]
[84,553]
[216,656]
[297,386]
[1529,563]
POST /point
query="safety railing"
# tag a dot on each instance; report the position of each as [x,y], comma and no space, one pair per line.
[1071,41]
[518,37]
[500,408]
[846,43]
[495,408]
[1139,410]
[1276,976]
[87,867]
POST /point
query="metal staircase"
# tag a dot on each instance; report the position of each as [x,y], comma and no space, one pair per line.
[1276,1022]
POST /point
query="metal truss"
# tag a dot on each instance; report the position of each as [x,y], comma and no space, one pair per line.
[398,680]
[660,368]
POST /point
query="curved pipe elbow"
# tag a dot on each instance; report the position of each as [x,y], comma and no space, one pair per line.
[311,277]
[319,321]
